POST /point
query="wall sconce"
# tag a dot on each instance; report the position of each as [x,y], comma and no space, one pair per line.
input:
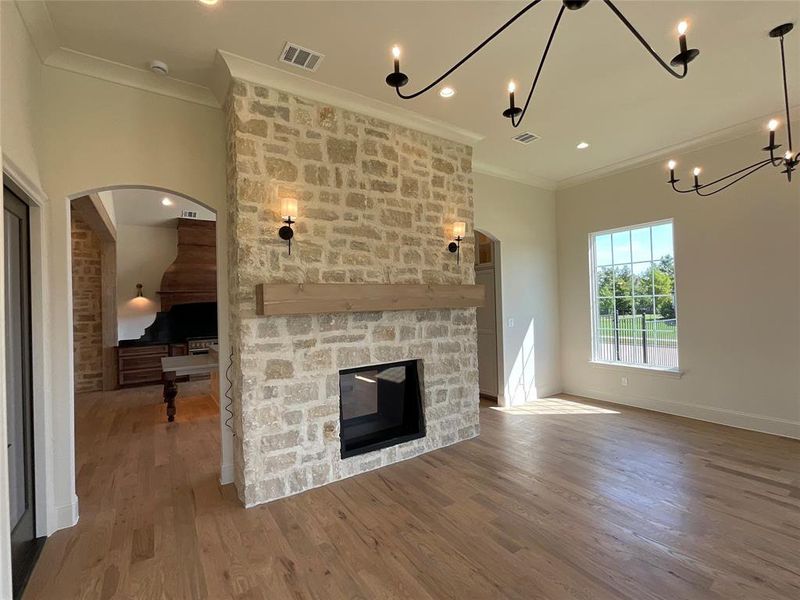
[459,229]
[288,216]
[139,292]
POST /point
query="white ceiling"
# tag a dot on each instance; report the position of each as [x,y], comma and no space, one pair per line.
[142,207]
[599,85]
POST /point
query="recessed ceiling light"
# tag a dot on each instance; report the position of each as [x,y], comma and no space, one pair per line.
[447,92]
[582,146]
[166,201]
[208,2]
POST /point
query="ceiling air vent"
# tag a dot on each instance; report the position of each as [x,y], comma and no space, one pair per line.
[301,57]
[525,138]
[188,214]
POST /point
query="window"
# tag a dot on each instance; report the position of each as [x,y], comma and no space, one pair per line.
[634,313]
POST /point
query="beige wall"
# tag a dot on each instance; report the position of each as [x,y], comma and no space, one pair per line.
[20,79]
[20,82]
[112,135]
[98,134]
[737,257]
[143,254]
[523,219]
[107,198]
[102,135]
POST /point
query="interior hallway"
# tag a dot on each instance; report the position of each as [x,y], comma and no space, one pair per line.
[565,499]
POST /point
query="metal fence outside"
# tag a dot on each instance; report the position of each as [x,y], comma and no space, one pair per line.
[637,340]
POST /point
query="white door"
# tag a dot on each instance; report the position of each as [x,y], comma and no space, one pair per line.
[487,333]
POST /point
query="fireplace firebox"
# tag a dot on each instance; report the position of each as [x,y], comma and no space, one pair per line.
[380,406]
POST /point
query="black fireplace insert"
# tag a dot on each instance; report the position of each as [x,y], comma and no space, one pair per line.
[380,406]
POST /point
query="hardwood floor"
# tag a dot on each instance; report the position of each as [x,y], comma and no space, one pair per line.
[567,499]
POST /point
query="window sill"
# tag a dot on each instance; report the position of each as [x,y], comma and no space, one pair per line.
[659,372]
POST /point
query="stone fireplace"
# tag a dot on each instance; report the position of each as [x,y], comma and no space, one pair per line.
[376,203]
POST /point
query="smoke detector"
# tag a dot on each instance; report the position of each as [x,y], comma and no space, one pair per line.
[526,137]
[159,67]
[297,56]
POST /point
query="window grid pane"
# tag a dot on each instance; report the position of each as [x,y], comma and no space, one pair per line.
[634,312]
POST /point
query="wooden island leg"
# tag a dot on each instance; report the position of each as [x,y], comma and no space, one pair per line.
[170,392]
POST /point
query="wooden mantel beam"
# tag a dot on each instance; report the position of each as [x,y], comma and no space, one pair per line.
[318,298]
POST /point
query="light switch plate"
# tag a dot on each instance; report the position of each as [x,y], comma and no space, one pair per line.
[510,323]
[624,381]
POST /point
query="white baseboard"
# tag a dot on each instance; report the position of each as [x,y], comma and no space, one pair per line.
[66,515]
[226,474]
[548,392]
[731,418]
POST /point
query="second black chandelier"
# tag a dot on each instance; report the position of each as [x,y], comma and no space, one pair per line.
[397,79]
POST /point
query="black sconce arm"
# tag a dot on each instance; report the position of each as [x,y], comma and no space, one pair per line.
[286,233]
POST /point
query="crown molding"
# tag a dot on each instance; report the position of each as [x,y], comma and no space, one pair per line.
[107,70]
[228,66]
[516,176]
[46,42]
[713,138]
[40,27]
[253,71]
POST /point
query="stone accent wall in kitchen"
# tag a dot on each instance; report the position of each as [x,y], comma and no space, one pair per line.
[87,309]
[376,204]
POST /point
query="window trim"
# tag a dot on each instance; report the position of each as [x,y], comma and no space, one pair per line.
[673,372]
[593,299]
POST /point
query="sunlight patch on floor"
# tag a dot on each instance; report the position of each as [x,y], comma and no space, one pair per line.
[554,406]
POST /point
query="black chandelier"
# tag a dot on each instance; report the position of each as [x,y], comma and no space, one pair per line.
[398,79]
[788,162]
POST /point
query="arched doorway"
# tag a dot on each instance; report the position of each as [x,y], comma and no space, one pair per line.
[489,317]
[140,311]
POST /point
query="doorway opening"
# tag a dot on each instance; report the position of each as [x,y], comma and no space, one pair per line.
[145,336]
[25,545]
[487,272]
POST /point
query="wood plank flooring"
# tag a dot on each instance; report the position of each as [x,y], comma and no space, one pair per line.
[568,499]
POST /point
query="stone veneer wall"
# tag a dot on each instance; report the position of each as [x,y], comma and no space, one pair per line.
[376,204]
[87,309]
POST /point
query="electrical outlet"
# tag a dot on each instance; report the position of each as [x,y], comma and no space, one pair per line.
[624,381]
[510,323]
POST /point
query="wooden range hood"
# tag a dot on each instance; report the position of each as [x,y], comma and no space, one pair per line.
[192,277]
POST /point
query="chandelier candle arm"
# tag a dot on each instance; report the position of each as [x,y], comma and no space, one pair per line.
[786,95]
[683,58]
[671,166]
[477,49]
[755,166]
[513,110]
[788,162]
[682,27]
[737,180]
[398,79]
[516,122]
[772,126]
[758,164]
